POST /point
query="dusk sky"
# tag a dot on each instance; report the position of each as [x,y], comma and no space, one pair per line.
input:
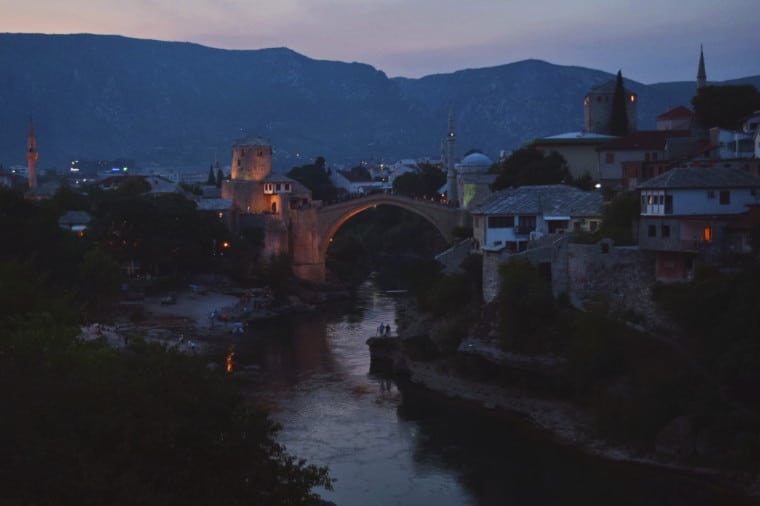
[650,40]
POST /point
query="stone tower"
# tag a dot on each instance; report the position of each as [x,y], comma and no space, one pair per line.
[251,159]
[597,109]
[31,156]
[701,74]
[451,175]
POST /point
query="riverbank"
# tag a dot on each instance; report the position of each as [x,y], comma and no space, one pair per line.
[565,422]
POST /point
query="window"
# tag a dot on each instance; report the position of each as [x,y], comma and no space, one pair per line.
[710,194]
[609,157]
[661,199]
[707,234]
[725,197]
[593,225]
[260,152]
[278,187]
[526,224]
[501,222]
[654,156]
[287,187]
[666,231]
[652,231]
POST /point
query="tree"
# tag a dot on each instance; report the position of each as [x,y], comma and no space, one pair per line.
[529,166]
[211,181]
[100,278]
[314,176]
[725,106]
[525,302]
[619,120]
[219,178]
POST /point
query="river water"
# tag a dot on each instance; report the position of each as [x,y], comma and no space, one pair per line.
[385,447]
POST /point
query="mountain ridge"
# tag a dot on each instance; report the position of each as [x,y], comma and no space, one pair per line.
[183,103]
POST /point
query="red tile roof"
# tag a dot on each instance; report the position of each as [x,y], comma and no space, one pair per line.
[676,113]
[643,139]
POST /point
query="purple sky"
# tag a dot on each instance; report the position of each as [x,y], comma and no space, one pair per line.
[650,40]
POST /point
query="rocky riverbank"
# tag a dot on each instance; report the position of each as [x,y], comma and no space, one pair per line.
[566,422]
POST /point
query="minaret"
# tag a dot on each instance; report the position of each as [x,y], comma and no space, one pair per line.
[31,156]
[451,176]
[701,74]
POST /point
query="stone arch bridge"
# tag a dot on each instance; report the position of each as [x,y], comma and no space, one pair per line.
[312,229]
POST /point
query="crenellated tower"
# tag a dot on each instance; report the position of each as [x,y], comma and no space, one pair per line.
[31,156]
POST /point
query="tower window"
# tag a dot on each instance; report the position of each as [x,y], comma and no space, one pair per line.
[260,152]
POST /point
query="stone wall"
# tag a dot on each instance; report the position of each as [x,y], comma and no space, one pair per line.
[621,277]
[453,257]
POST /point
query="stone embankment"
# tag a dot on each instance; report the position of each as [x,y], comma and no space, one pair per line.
[566,422]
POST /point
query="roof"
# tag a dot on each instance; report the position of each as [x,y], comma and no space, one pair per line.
[644,139]
[476,160]
[548,200]
[676,113]
[575,138]
[698,177]
[353,177]
[75,218]
[214,204]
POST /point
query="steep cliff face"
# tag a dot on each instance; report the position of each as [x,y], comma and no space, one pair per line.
[96,96]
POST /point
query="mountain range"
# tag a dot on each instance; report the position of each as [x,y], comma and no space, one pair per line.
[183,105]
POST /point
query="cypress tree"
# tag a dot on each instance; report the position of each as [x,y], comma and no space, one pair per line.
[219,178]
[619,120]
[211,178]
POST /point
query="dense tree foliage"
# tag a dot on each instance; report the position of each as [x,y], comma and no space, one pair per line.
[526,304]
[619,119]
[315,177]
[424,182]
[160,235]
[84,423]
[725,106]
[620,219]
[530,166]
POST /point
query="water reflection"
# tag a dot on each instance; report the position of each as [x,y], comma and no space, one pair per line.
[387,446]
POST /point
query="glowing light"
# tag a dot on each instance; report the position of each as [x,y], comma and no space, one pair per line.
[229,361]
[633,98]
[225,245]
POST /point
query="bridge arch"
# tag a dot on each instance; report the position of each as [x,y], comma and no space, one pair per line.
[309,255]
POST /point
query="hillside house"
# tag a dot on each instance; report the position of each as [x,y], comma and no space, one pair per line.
[510,218]
[693,214]
[579,149]
[623,157]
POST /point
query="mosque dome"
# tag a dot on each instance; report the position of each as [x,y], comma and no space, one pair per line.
[475,162]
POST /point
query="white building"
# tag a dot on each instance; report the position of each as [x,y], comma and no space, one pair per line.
[689,213]
[512,217]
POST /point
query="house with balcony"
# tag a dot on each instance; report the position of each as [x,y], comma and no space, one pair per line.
[511,218]
[692,215]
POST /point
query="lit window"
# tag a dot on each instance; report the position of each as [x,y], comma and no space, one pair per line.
[633,98]
[707,234]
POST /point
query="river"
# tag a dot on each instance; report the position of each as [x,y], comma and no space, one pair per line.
[385,447]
